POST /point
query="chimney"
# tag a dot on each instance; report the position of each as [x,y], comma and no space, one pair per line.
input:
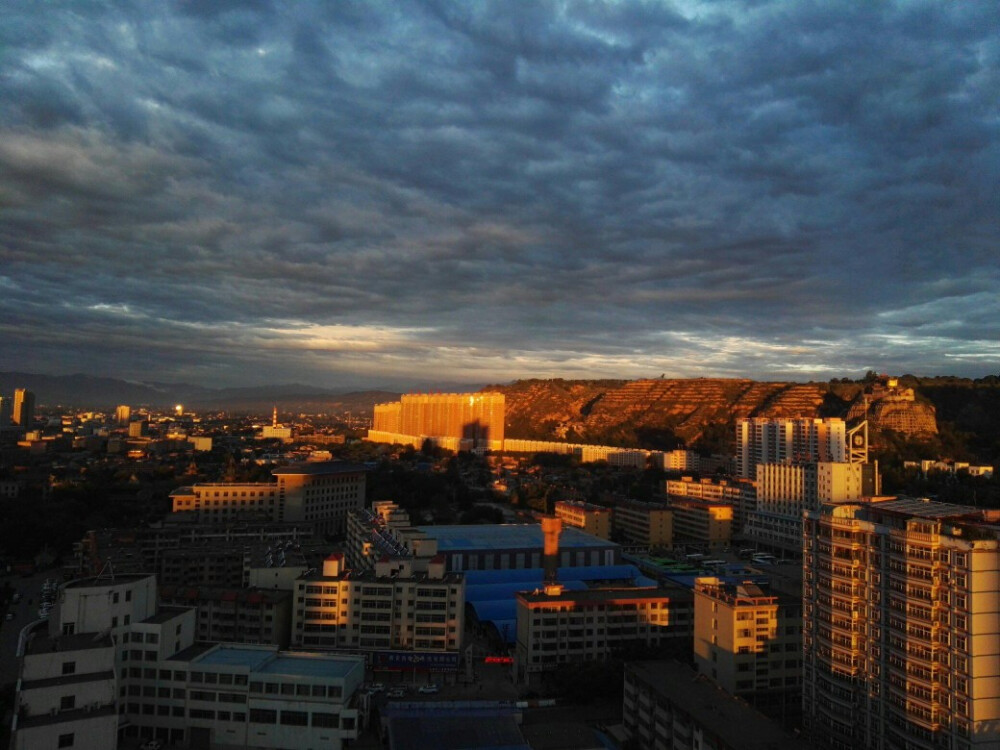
[551,527]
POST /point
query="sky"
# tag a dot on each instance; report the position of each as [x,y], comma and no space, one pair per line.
[383,194]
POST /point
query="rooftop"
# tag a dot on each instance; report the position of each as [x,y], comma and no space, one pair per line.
[320,467]
[109,580]
[506,536]
[40,642]
[268,660]
[722,717]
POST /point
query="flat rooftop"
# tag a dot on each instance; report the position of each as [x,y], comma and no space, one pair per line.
[720,715]
[271,661]
[96,582]
[507,536]
[321,467]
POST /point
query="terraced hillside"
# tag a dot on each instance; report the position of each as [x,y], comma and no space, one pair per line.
[653,413]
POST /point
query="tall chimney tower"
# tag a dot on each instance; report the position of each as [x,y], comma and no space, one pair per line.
[551,527]
[274,417]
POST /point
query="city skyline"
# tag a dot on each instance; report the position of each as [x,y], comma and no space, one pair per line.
[234,195]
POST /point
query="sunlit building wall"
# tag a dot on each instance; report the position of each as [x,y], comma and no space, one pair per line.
[788,441]
[322,493]
[706,524]
[650,524]
[556,626]
[900,626]
[594,519]
[746,640]
[412,604]
[24,408]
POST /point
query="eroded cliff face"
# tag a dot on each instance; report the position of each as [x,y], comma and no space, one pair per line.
[657,413]
[894,408]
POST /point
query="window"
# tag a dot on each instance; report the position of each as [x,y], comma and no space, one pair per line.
[65,740]
[295,718]
[324,720]
[68,628]
[67,702]
[68,667]
[263,716]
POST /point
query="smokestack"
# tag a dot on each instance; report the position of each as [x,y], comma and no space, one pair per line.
[274,418]
[551,527]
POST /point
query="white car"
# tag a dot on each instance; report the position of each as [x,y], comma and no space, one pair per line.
[428,689]
[151,745]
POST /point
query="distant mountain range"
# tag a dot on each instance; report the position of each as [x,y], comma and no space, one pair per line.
[85,391]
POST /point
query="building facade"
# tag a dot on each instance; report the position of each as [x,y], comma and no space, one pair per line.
[648,524]
[593,519]
[475,420]
[705,524]
[24,408]
[748,640]
[788,441]
[320,493]
[556,626]
[398,606]
[900,629]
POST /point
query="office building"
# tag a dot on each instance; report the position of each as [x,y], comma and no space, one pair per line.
[593,519]
[408,611]
[668,706]
[24,408]
[900,627]
[321,493]
[123,414]
[748,640]
[458,421]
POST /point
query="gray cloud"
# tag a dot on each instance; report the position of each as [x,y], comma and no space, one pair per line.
[237,192]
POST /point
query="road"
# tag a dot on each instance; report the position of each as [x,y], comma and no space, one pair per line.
[24,613]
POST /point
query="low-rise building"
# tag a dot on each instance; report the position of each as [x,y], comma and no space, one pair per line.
[706,524]
[411,605]
[594,519]
[556,626]
[748,640]
[236,615]
[649,524]
[668,705]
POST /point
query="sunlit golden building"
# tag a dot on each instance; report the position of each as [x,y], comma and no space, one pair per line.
[594,519]
[901,637]
[748,639]
[465,420]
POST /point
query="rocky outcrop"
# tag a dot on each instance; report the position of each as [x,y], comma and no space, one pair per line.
[888,406]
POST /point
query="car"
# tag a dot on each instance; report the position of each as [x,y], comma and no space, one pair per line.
[428,689]
[376,687]
[151,745]
[397,693]
[10,615]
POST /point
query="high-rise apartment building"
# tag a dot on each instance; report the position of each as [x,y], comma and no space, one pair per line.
[454,420]
[788,441]
[123,414]
[900,626]
[24,408]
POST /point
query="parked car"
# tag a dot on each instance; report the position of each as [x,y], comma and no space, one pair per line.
[376,687]
[397,693]
[151,745]
[429,689]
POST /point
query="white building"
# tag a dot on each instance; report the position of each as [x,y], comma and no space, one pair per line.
[110,664]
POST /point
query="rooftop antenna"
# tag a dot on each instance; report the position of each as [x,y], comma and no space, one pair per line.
[108,571]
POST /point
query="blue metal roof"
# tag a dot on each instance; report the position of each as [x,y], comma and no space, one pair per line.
[507,536]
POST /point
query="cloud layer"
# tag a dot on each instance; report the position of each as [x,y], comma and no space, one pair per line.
[362,193]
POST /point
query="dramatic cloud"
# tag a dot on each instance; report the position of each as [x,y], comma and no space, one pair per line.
[362,193]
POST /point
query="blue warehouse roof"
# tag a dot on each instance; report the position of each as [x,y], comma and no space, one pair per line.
[507,536]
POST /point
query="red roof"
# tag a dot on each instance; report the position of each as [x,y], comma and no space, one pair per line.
[336,556]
